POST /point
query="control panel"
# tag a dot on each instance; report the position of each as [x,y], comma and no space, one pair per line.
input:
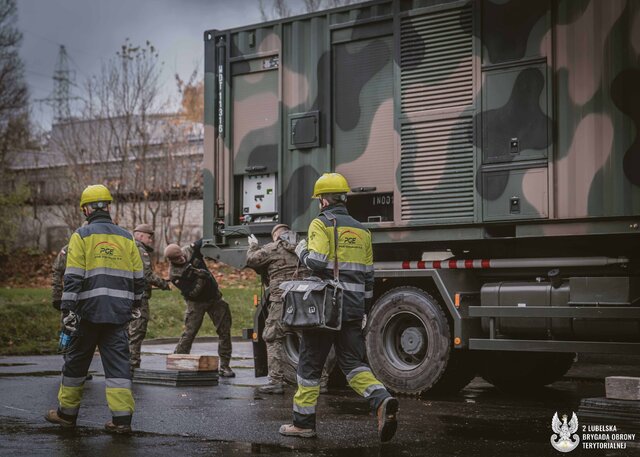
[259,194]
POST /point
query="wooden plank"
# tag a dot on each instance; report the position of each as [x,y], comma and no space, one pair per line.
[622,387]
[192,362]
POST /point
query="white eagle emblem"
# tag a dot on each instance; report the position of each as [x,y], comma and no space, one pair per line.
[565,438]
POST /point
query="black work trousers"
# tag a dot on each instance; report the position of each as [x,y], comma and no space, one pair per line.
[350,356]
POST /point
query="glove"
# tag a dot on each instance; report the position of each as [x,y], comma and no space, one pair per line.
[301,247]
[135,313]
[56,304]
[70,321]
[252,240]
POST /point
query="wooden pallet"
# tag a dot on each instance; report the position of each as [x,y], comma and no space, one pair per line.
[176,378]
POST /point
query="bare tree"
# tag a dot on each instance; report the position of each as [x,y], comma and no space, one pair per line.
[14,121]
[123,138]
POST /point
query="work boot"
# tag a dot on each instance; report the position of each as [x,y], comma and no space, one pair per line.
[110,427]
[272,388]
[292,430]
[387,420]
[226,372]
[55,418]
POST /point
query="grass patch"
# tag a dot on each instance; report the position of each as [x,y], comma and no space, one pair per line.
[30,325]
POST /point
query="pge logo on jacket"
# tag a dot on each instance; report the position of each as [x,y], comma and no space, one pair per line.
[107,250]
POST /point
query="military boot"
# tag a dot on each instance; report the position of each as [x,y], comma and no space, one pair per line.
[226,372]
[272,388]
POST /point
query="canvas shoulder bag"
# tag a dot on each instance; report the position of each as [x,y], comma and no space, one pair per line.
[313,302]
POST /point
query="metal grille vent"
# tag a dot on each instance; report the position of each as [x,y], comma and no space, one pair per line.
[436,55]
[437,169]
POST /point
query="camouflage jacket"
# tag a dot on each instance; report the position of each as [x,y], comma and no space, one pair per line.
[57,275]
[278,261]
[193,279]
[149,275]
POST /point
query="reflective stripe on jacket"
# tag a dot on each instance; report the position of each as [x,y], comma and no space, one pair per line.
[104,277]
[355,258]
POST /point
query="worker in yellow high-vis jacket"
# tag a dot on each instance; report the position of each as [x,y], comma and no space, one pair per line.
[355,263]
[103,287]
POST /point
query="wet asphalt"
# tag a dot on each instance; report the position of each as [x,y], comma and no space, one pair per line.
[233,419]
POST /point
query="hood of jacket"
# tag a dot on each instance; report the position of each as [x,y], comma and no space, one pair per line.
[289,240]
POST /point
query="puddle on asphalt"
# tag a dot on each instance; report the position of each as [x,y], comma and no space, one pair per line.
[236,448]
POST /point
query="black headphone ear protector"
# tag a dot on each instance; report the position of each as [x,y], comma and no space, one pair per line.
[342,197]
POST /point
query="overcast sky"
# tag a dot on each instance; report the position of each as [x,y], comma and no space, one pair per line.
[93,30]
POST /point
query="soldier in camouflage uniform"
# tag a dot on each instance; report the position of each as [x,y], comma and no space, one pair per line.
[57,275]
[143,235]
[278,262]
[189,273]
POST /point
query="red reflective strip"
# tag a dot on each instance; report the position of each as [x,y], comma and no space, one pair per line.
[485,263]
[421,264]
[468,263]
[436,264]
[406,265]
[453,264]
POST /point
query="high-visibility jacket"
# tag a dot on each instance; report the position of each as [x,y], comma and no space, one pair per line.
[103,279]
[355,257]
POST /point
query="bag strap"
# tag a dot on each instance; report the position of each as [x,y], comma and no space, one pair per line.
[332,218]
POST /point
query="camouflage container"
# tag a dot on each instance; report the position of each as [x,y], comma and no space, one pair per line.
[452,121]
[486,143]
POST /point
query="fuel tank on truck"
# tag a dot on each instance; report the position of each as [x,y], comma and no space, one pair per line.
[578,291]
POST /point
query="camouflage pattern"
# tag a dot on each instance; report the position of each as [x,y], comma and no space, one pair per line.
[153,280]
[220,315]
[57,276]
[277,262]
[138,327]
[217,309]
[454,123]
[137,333]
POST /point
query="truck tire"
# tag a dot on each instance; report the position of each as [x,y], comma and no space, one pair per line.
[291,349]
[514,371]
[409,345]
[290,357]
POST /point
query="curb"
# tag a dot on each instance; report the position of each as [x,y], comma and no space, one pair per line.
[201,339]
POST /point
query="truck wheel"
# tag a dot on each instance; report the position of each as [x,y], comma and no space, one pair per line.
[511,371]
[292,355]
[409,345]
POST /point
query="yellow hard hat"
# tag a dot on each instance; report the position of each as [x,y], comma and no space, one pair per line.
[95,193]
[330,183]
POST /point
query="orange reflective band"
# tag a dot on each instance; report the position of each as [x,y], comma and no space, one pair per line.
[456,300]
[255,300]
[457,341]
[254,336]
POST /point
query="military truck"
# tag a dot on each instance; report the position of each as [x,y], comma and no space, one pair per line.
[493,150]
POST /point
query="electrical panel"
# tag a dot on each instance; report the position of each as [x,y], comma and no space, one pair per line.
[259,195]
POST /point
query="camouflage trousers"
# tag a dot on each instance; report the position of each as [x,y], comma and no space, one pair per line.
[220,314]
[137,333]
[274,337]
